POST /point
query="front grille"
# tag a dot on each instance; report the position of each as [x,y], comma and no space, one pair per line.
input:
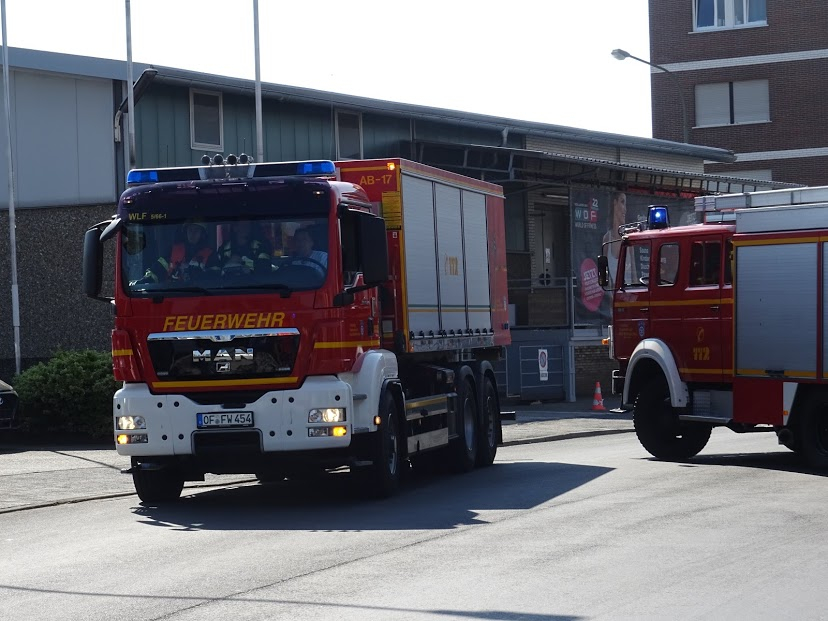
[223,355]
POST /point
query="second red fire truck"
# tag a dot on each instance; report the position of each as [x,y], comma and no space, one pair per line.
[724,323]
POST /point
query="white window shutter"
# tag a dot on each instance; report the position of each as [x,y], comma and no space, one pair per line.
[750,101]
[712,104]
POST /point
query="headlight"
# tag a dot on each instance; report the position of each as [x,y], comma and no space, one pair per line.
[327,415]
[131,422]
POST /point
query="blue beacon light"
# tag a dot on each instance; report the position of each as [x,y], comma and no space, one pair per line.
[657,218]
[142,176]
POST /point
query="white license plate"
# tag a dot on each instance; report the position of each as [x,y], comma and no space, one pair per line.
[225,419]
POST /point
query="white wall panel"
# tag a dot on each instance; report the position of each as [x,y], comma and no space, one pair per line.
[63,141]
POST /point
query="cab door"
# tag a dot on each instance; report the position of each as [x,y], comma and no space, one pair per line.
[700,351]
[631,303]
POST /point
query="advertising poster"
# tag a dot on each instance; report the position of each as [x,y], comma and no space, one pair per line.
[596,214]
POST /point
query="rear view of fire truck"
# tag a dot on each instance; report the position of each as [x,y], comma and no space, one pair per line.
[284,319]
[724,323]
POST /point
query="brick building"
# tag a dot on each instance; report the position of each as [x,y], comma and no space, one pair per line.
[754,75]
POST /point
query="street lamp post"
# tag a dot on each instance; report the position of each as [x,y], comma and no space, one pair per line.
[621,55]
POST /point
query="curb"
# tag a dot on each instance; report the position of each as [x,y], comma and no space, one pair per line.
[568,436]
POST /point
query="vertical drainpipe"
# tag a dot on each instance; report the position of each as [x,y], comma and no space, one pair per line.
[12,221]
[259,139]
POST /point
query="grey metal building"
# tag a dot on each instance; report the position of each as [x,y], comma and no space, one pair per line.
[71,158]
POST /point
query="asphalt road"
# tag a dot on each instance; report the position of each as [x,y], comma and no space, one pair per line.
[587,528]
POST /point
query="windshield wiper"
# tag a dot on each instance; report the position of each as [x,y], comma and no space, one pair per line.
[166,290]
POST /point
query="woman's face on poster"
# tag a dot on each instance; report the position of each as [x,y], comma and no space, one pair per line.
[619,209]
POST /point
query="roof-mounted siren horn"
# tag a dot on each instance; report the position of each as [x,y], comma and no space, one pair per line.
[657,217]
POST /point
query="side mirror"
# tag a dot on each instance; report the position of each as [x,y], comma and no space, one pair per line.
[603,271]
[92,263]
[373,249]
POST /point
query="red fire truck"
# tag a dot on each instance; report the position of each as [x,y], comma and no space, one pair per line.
[724,323]
[282,319]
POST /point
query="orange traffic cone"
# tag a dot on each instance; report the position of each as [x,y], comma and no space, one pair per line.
[598,400]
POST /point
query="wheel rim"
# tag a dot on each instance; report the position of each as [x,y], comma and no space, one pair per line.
[468,424]
[392,444]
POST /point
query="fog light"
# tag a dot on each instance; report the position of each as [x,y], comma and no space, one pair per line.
[136,438]
[129,423]
[339,431]
[319,432]
[326,415]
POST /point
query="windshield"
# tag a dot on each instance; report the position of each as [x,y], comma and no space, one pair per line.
[230,255]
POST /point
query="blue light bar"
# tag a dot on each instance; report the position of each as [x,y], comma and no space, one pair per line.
[322,167]
[218,171]
[657,218]
[142,176]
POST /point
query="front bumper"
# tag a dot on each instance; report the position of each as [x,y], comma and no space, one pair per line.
[280,422]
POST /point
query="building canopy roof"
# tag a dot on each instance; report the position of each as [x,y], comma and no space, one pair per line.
[117,70]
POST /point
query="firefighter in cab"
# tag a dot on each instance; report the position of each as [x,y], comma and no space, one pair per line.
[244,253]
[188,259]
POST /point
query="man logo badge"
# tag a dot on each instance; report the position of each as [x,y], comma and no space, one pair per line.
[222,367]
[223,355]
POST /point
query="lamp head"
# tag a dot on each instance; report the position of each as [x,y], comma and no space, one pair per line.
[620,54]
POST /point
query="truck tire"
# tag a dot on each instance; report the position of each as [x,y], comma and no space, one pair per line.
[463,449]
[812,431]
[382,478]
[162,485]
[659,430]
[489,434]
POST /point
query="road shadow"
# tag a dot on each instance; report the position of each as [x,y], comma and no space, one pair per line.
[332,502]
[782,461]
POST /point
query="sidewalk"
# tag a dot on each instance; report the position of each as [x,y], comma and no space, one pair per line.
[43,476]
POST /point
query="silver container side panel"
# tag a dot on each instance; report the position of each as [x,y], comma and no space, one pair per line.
[420,255]
[450,258]
[477,260]
[776,308]
[787,218]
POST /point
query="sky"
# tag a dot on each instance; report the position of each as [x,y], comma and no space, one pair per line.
[535,60]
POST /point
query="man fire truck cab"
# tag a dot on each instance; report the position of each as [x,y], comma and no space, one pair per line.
[723,323]
[298,317]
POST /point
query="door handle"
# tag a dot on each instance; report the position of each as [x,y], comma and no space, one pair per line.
[644,309]
[715,308]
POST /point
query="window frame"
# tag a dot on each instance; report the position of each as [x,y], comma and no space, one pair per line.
[203,145]
[358,115]
[731,104]
[730,16]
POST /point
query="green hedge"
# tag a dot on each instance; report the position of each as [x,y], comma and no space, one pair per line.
[69,394]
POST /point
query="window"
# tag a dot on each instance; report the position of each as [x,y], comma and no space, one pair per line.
[668,264]
[705,263]
[206,120]
[348,136]
[732,103]
[729,13]
[636,265]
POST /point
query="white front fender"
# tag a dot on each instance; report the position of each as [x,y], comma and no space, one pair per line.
[366,378]
[657,350]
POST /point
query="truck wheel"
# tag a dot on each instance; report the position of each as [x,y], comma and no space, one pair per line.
[812,431]
[163,485]
[659,429]
[489,425]
[464,449]
[382,478]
